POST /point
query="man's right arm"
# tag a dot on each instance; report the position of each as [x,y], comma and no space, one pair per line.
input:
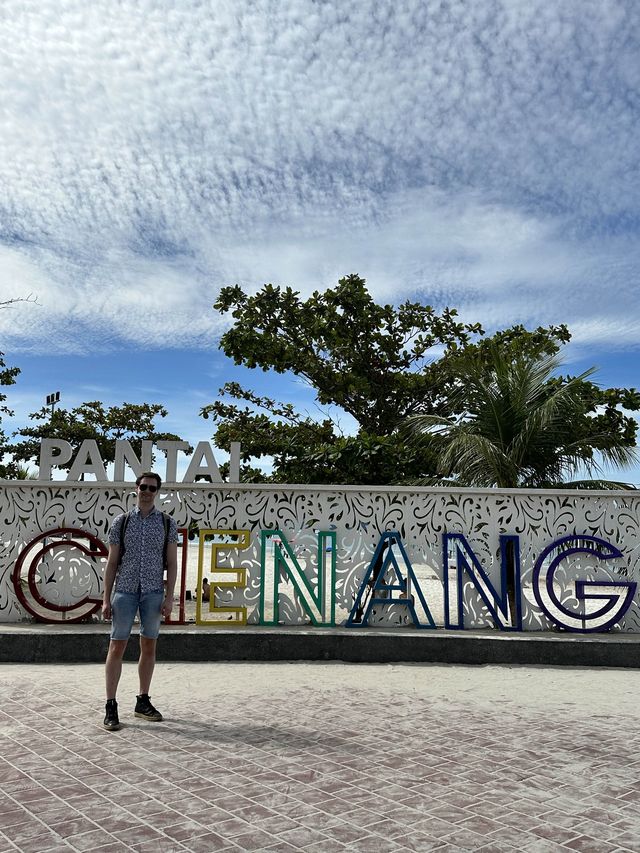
[109,577]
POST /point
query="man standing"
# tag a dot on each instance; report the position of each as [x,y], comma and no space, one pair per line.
[136,563]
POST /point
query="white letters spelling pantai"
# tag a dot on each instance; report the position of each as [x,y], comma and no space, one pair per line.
[55,452]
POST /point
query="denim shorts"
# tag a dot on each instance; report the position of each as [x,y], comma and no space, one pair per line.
[125,605]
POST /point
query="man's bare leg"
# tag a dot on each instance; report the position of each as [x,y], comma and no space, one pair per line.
[113,666]
[144,708]
[146,663]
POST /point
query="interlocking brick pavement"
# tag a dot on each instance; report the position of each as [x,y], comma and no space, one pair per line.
[322,758]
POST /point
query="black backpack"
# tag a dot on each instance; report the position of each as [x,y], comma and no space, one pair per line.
[123,530]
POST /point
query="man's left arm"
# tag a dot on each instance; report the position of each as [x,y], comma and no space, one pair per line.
[172,571]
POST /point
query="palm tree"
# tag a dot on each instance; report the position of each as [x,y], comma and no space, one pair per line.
[521,426]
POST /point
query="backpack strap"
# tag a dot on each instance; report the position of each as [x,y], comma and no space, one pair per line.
[123,530]
[166,519]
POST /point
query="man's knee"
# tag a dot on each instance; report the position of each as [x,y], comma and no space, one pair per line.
[117,649]
[147,646]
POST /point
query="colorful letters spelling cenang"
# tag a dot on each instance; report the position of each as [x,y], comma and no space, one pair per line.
[391,580]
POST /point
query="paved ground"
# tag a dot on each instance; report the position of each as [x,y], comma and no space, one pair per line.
[322,758]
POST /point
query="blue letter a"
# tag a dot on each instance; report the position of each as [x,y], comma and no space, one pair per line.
[380,569]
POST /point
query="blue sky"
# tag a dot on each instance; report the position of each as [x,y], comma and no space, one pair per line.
[476,154]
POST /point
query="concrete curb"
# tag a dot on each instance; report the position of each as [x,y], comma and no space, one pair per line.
[88,644]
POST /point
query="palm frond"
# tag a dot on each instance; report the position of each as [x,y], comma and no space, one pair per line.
[597,485]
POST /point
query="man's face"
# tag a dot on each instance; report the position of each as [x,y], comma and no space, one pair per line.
[146,496]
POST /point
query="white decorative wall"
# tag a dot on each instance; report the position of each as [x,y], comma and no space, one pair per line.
[357,516]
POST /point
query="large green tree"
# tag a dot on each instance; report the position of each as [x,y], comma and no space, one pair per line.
[371,360]
[380,363]
[132,421]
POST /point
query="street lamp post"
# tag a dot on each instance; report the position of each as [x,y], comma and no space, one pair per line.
[52,399]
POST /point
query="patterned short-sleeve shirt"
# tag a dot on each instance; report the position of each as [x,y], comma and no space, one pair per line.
[141,569]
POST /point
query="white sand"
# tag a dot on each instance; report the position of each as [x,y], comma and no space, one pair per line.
[578,692]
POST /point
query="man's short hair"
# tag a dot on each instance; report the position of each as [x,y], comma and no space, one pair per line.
[151,475]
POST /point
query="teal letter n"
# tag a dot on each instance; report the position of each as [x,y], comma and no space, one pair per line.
[319,605]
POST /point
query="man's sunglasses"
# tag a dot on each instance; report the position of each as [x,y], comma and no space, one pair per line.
[143,488]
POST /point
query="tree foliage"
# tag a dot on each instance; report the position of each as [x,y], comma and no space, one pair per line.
[381,364]
[9,469]
[374,361]
[7,377]
[134,422]
[306,451]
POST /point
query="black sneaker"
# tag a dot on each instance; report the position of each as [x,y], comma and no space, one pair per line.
[146,711]
[111,721]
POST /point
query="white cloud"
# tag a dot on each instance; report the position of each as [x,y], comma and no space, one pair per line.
[484,153]
[497,265]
